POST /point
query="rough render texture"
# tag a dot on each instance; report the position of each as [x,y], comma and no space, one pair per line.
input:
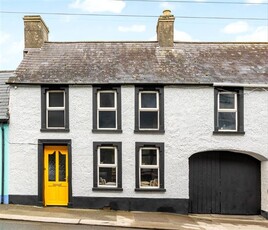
[188,130]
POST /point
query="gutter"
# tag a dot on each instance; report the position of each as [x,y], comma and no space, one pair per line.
[14,84]
[246,85]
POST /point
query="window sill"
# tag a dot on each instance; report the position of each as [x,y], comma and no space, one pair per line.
[150,131]
[107,189]
[228,133]
[55,130]
[107,131]
[150,189]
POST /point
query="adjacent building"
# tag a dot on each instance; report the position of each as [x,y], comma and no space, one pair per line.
[4,142]
[158,126]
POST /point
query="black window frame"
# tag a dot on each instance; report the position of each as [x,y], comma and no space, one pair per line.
[118,145]
[44,90]
[96,89]
[161,122]
[161,149]
[239,108]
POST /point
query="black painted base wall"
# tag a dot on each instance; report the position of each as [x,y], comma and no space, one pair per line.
[24,200]
[264,214]
[127,204]
[133,204]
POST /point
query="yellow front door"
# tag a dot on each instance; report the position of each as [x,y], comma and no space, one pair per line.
[55,175]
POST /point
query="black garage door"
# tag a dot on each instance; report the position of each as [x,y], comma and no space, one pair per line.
[224,183]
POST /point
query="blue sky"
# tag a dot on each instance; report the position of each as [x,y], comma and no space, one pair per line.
[96,28]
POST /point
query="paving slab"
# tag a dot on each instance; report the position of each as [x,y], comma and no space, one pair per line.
[142,220]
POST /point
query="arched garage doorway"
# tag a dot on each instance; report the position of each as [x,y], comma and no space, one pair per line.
[222,182]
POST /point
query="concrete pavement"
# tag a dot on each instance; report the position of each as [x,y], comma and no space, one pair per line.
[144,220]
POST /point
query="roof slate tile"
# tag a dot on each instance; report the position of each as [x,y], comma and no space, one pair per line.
[4,94]
[144,62]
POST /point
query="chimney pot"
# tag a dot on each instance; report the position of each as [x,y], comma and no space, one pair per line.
[167,12]
[35,31]
[165,29]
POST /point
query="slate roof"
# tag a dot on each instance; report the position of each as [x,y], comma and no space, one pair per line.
[4,94]
[144,62]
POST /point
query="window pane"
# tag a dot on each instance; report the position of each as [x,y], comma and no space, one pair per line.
[227,101]
[148,100]
[149,120]
[227,121]
[107,156]
[52,167]
[55,118]
[107,176]
[149,157]
[107,119]
[107,100]
[62,167]
[56,99]
[149,177]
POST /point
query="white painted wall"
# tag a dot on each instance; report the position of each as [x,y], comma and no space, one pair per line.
[189,123]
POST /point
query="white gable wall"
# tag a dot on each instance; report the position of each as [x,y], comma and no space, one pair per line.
[189,125]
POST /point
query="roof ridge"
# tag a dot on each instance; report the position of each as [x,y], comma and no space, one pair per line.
[71,42]
[154,42]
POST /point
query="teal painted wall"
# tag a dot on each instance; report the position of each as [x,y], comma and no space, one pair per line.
[4,197]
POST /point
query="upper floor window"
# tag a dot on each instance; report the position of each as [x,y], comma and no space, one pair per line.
[106,109]
[149,109]
[107,165]
[54,108]
[229,110]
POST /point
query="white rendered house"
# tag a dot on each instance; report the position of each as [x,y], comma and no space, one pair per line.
[158,126]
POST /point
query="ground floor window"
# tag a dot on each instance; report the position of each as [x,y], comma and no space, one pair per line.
[149,166]
[107,165]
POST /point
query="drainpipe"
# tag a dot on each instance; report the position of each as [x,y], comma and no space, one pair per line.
[3,163]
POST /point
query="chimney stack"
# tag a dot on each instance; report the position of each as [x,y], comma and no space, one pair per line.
[35,31]
[165,29]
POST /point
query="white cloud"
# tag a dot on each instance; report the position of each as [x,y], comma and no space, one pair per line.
[167,5]
[133,28]
[93,6]
[260,34]
[255,1]
[16,46]
[4,37]
[178,36]
[11,54]
[236,28]
[182,36]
